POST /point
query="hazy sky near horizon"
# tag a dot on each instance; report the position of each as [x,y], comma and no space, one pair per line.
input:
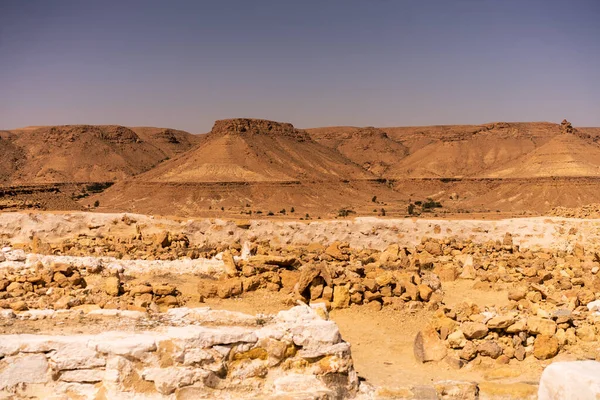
[184,64]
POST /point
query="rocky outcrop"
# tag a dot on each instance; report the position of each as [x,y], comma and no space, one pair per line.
[566,127]
[250,126]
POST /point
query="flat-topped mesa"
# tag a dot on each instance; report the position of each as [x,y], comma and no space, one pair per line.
[251,126]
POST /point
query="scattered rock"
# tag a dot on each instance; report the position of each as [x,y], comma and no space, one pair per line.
[428,346]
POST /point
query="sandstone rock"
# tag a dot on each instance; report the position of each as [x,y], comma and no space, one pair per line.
[520,353]
[82,375]
[26,369]
[545,347]
[490,349]
[64,303]
[316,288]
[132,345]
[167,380]
[585,296]
[163,289]
[308,273]
[281,261]
[336,253]
[517,294]
[18,305]
[424,292]
[169,301]
[468,352]
[207,289]
[76,355]
[433,248]
[341,297]
[500,322]
[229,262]
[14,287]
[570,381]
[457,339]
[428,346]
[163,240]
[474,330]
[231,288]
[454,362]
[518,326]
[586,333]
[112,286]
[508,239]
[140,289]
[468,269]
[541,326]
[411,292]
[327,294]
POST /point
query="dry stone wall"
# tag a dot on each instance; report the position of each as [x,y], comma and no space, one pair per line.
[197,353]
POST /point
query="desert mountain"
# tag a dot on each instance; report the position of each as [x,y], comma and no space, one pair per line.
[467,151]
[368,147]
[170,141]
[456,151]
[255,150]
[84,153]
[568,154]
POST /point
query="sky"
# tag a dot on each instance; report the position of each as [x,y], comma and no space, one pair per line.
[184,64]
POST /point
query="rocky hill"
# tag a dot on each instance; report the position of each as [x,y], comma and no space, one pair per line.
[255,166]
[84,153]
[368,147]
[254,150]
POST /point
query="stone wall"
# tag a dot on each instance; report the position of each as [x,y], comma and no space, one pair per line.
[195,353]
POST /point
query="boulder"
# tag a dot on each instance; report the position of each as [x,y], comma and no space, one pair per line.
[112,286]
[489,348]
[428,346]
[500,322]
[341,297]
[517,294]
[163,289]
[474,330]
[468,352]
[18,305]
[229,262]
[541,326]
[545,347]
[570,381]
[457,339]
[424,292]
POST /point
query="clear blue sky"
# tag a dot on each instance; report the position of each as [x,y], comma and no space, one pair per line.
[183,64]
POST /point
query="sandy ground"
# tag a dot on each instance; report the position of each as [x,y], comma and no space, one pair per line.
[382,341]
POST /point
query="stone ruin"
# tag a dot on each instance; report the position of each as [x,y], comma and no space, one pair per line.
[184,354]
